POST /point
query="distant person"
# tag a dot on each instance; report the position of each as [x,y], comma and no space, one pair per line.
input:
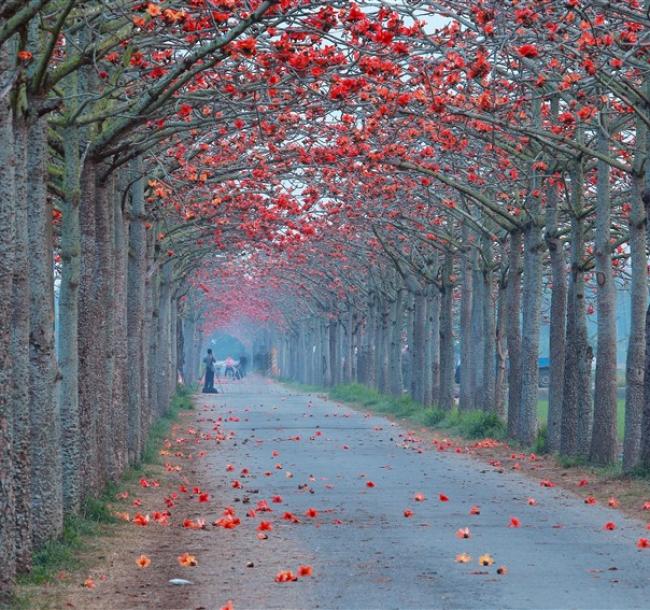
[243,361]
[208,386]
[229,368]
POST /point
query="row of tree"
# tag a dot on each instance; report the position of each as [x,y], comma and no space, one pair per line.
[98,103]
[362,177]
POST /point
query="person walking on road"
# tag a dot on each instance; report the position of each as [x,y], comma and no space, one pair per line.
[208,386]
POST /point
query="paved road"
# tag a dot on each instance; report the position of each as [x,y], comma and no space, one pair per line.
[366,554]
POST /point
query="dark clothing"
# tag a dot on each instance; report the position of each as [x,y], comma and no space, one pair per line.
[243,361]
[208,386]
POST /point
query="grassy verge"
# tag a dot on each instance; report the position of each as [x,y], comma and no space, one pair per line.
[96,516]
[542,414]
[469,424]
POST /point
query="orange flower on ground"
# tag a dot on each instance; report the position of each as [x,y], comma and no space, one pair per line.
[229,605]
[463,558]
[502,570]
[463,532]
[532,502]
[475,510]
[514,522]
[285,576]
[89,583]
[643,543]
[419,497]
[369,484]
[305,571]
[143,561]
[583,483]
[290,517]
[276,499]
[546,483]
[613,502]
[408,512]
[443,498]
[187,560]
[486,560]
[141,520]
[264,526]
[311,512]
[24,55]
[610,525]
[591,500]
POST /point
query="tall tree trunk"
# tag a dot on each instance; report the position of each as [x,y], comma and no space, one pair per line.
[488,394]
[576,398]
[119,408]
[477,379]
[104,330]
[45,425]
[136,312]
[419,332]
[501,348]
[20,355]
[447,362]
[514,332]
[395,358]
[636,346]
[467,369]
[68,323]
[531,309]
[89,337]
[7,226]
[433,308]
[604,438]
[557,330]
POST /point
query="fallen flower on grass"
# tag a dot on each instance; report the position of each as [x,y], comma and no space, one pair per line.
[463,532]
[475,510]
[502,570]
[643,543]
[610,525]
[546,483]
[443,498]
[613,502]
[591,500]
[463,558]
[229,605]
[583,483]
[305,571]
[187,560]
[276,499]
[408,512]
[514,522]
[419,497]
[143,561]
[486,560]
[370,484]
[264,526]
[532,502]
[89,583]
[311,512]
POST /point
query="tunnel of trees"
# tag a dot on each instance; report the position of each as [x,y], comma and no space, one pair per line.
[350,185]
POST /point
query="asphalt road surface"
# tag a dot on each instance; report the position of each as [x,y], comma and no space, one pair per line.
[366,554]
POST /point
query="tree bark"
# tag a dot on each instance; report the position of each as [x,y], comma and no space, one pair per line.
[45,425]
[7,227]
[604,438]
[447,362]
[20,355]
[557,330]
[67,326]
[514,333]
